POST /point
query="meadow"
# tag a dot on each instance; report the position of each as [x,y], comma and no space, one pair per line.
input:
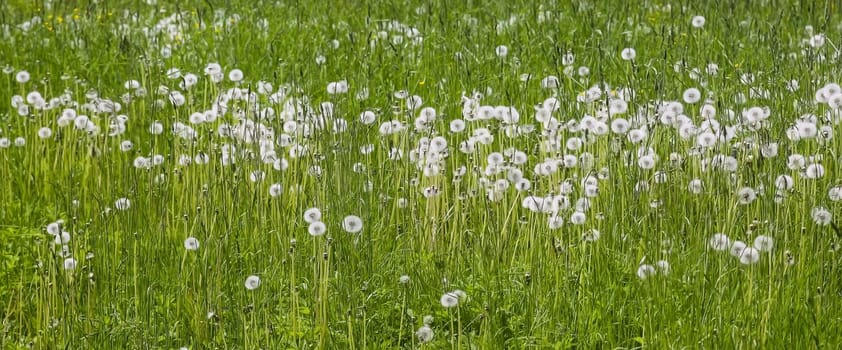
[433,174]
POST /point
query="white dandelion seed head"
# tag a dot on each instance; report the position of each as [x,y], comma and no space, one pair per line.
[835,193]
[719,242]
[312,215]
[696,186]
[235,75]
[276,190]
[69,264]
[122,204]
[502,51]
[191,243]
[22,77]
[769,150]
[698,21]
[555,222]
[814,171]
[352,224]
[257,176]
[749,256]
[692,95]
[646,162]
[252,282]
[45,133]
[737,248]
[368,117]
[796,161]
[784,182]
[54,228]
[428,320]
[424,334]
[591,235]
[764,243]
[821,216]
[645,271]
[317,228]
[628,54]
[577,218]
[664,267]
[449,300]
[746,195]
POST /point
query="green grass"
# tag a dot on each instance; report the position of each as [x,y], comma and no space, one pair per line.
[135,286]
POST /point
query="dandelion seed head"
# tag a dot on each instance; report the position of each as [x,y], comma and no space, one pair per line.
[69,264]
[645,271]
[252,282]
[628,54]
[191,243]
[698,21]
[122,204]
[352,224]
[317,228]
[749,256]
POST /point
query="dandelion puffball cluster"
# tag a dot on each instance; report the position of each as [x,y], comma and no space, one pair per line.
[746,254]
